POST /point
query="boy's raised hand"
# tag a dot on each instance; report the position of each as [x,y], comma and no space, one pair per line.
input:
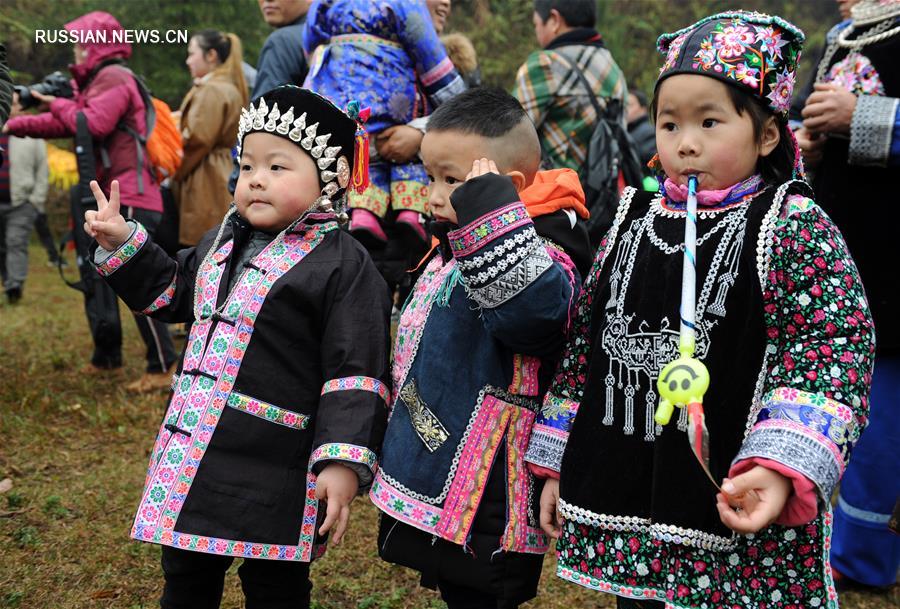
[755,499]
[107,225]
[338,486]
[482,166]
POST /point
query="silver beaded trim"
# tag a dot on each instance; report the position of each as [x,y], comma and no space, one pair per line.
[633,524]
[765,243]
[872,130]
[474,280]
[473,263]
[657,210]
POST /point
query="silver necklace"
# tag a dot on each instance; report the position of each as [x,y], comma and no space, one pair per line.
[876,34]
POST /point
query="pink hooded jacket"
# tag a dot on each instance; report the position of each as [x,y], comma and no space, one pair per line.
[107,96]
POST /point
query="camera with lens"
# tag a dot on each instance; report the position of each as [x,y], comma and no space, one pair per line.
[56,84]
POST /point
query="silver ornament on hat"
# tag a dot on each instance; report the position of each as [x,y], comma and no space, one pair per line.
[273,116]
[285,124]
[307,142]
[296,134]
[261,112]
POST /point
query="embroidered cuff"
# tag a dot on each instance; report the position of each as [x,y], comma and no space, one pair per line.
[546,447]
[164,299]
[820,414]
[101,254]
[266,411]
[797,447]
[487,228]
[499,271]
[353,456]
[111,263]
[360,383]
[872,130]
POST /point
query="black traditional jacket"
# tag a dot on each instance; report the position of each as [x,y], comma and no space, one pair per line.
[281,374]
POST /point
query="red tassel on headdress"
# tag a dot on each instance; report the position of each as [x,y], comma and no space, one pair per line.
[359,181]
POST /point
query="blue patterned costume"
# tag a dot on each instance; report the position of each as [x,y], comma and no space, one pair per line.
[380,53]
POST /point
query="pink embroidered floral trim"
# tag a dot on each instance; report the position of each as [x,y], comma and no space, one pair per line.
[437,72]
[304,551]
[362,383]
[126,252]
[464,496]
[413,319]
[198,401]
[487,228]
[520,536]
[164,299]
[402,507]
[344,452]
[266,411]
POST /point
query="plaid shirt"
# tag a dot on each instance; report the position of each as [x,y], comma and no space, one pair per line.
[557,102]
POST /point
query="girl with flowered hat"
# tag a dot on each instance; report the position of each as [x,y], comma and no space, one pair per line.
[782,324]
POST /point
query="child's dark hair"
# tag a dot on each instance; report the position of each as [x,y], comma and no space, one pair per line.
[215,40]
[776,167]
[489,112]
[576,13]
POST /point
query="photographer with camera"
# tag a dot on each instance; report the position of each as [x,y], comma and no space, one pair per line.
[105,110]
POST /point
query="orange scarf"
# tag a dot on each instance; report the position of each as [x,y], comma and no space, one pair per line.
[554,190]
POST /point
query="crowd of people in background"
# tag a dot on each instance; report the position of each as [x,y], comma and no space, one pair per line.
[389,91]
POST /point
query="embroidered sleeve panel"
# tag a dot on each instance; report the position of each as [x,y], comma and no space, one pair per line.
[125,252]
[872,130]
[822,345]
[808,432]
[798,447]
[499,255]
[358,383]
[546,447]
[165,298]
[469,239]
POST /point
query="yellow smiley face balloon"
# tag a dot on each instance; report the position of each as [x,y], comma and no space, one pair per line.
[680,382]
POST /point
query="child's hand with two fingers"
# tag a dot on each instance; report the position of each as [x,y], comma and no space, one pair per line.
[337,485]
[755,499]
[107,225]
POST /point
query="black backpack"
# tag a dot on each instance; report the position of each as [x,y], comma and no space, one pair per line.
[610,152]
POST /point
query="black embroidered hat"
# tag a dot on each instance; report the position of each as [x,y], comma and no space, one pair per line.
[336,140]
[753,51]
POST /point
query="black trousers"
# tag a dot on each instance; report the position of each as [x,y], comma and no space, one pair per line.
[195,581]
[102,306]
[462,597]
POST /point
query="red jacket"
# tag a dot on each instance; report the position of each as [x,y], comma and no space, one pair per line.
[107,96]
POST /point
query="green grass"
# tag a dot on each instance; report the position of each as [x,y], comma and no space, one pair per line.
[76,449]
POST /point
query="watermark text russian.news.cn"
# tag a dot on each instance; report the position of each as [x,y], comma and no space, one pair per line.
[148,36]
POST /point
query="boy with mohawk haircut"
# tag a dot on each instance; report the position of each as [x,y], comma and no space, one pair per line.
[476,345]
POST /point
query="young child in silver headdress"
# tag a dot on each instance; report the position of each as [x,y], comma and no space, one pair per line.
[278,406]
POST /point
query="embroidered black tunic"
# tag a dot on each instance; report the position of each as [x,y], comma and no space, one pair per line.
[283,373]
